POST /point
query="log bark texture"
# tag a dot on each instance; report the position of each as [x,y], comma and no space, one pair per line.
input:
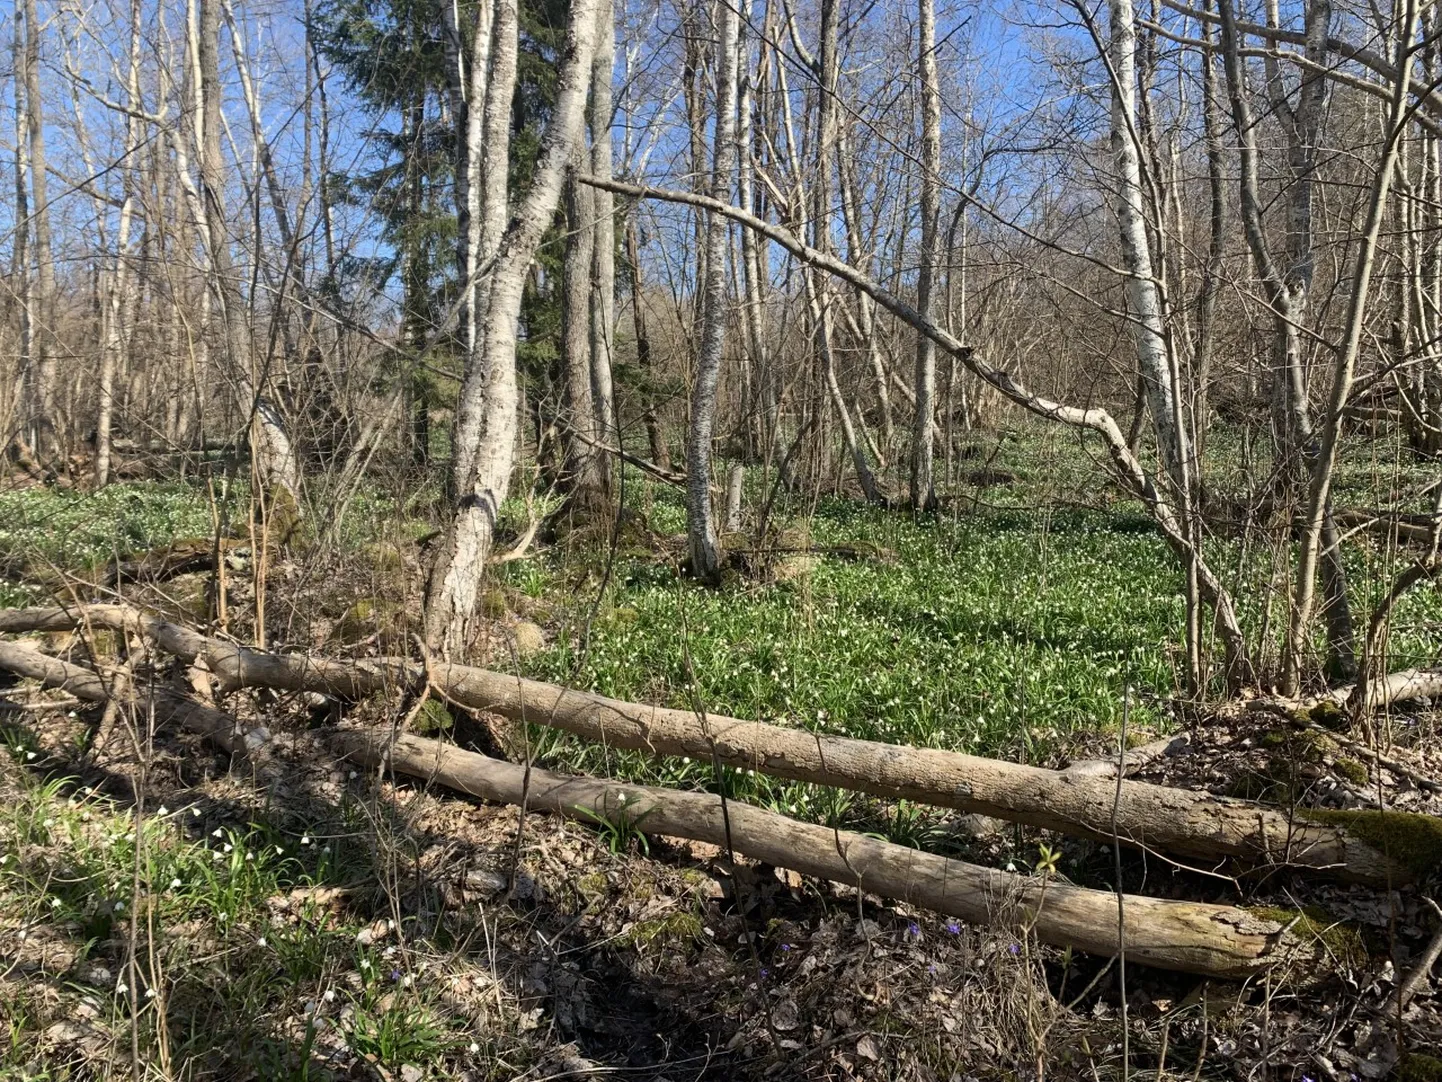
[1177,821]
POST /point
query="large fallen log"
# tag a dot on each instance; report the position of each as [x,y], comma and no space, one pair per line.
[1210,940]
[1383,848]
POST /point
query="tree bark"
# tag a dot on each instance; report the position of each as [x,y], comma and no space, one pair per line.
[603,213]
[42,310]
[587,470]
[277,467]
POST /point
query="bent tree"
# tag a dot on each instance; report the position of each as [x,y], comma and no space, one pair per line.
[486,420]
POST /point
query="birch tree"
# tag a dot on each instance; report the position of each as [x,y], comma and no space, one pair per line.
[486,423]
[700,513]
[923,489]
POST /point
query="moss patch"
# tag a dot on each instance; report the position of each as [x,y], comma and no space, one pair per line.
[1417,1067]
[1412,840]
[1342,942]
[676,928]
[1352,770]
[1329,714]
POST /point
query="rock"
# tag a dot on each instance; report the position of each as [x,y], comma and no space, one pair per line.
[411,1073]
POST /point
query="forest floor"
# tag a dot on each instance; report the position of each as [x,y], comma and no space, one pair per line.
[165,914]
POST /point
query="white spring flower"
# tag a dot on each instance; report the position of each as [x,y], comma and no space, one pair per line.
[305,839]
[162,810]
[120,988]
[216,833]
[222,916]
[150,993]
[328,995]
[228,848]
[175,883]
[54,903]
[260,942]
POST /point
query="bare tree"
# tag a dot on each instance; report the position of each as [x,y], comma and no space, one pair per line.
[923,488]
[700,513]
[486,426]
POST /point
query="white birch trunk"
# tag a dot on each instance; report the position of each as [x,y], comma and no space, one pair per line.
[700,515]
[487,420]
[923,485]
[603,212]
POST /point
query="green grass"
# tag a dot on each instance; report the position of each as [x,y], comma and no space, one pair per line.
[247,988]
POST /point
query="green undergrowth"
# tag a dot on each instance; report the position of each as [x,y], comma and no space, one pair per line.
[995,632]
[238,948]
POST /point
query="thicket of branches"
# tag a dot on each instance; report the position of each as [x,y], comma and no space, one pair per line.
[822,242]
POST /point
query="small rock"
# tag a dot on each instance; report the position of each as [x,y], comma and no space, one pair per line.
[484,882]
[410,1073]
[866,1049]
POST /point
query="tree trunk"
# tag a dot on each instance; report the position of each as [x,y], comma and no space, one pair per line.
[1215,940]
[603,214]
[275,460]
[660,451]
[700,515]
[122,299]
[586,471]
[45,421]
[923,485]
[486,425]
[1317,539]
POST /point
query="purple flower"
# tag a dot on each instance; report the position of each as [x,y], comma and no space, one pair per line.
[765,973]
[786,946]
[931,969]
[953,926]
[913,929]
[1014,948]
[395,974]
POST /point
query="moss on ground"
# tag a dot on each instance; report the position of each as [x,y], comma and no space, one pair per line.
[1352,770]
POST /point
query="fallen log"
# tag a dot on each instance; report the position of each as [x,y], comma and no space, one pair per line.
[1381,848]
[1191,937]
[166,705]
[1215,940]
